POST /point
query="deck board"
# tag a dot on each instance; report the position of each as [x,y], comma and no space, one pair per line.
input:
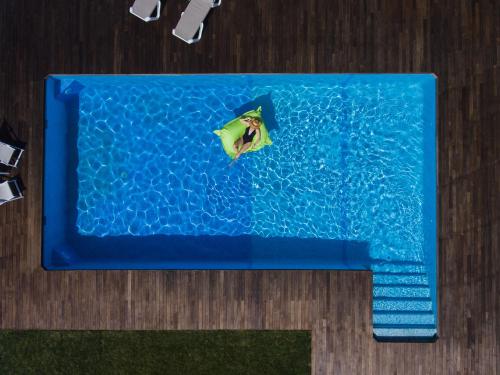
[457,40]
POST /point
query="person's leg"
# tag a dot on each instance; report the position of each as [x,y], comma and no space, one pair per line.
[237,145]
[244,148]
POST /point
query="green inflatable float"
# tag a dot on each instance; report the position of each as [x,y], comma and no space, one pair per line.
[234,130]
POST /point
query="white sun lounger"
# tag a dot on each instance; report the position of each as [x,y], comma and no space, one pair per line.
[9,191]
[190,26]
[144,9]
[10,155]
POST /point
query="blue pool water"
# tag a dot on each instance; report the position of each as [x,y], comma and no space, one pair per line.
[346,163]
[136,179]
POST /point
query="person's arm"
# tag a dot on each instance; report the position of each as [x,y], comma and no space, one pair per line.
[257,137]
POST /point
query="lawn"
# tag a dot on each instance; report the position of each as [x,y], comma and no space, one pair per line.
[155,352]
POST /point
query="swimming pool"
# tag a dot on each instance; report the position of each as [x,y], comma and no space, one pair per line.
[136,179]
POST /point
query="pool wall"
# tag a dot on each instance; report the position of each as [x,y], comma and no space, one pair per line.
[55,207]
[64,248]
[430,208]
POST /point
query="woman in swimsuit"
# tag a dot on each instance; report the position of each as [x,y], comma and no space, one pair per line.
[245,142]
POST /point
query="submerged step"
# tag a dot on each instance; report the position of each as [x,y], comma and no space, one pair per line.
[402,285]
[402,304]
[390,317]
[400,278]
[405,333]
[405,326]
[399,268]
[401,291]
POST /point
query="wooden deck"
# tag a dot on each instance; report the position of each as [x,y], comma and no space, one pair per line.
[456,39]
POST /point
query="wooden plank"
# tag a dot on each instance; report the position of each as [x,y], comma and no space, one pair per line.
[458,42]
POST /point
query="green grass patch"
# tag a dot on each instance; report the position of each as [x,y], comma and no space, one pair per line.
[155,352]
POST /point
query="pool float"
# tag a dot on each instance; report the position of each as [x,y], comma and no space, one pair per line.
[234,130]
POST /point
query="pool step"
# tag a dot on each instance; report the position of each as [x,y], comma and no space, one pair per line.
[402,304]
[392,268]
[405,334]
[417,291]
[398,318]
[392,285]
[399,278]
[406,326]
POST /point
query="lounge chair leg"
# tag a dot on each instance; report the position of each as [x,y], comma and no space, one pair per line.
[158,10]
[217,3]
[200,32]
